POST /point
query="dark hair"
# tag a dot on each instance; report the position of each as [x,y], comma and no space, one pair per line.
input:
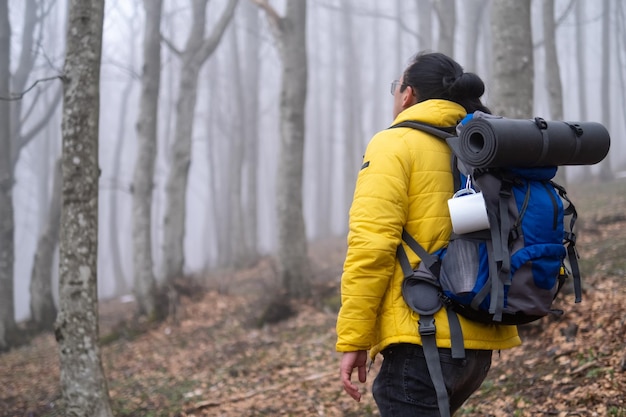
[436,76]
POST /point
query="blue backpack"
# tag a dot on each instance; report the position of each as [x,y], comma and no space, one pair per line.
[508,273]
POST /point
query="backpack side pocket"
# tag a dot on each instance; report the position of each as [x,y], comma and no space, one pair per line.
[464,269]
[535,272]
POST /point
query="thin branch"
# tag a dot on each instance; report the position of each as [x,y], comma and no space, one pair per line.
[19,96]
[220,27]
[374,15]
[566,12]
[559,21]
[43,121]
[272,15]
[171,46]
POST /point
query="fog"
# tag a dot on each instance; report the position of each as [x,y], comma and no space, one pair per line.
[348,98]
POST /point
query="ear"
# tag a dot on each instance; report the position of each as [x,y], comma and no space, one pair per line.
[408,97]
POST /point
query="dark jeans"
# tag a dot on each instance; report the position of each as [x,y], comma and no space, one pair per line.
[403,387]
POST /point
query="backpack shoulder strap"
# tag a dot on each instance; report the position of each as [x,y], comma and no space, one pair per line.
[438,131]
[426,322]
[421,292]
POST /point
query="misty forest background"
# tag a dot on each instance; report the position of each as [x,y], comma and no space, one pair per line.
[230,130]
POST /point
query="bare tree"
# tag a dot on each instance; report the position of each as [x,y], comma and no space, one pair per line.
[512,83]
[553,70]
[446,14]
[83,382]
[425,23]
[8,328]
[581,72]
[321,122]
[474,19]
[400,36]
[606,172]
[145,288]
[239,130]
[218,154]
[620,23]
[13,139]
[351,93]
[116,232]
[43,311]
[251,110]
[197,50]
[581,69]
[290,34]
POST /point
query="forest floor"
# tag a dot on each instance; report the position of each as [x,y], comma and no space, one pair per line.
[214,360]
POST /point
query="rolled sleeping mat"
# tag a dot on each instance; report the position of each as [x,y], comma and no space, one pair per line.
[502,142]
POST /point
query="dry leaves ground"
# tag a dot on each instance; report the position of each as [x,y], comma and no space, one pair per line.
[213,361]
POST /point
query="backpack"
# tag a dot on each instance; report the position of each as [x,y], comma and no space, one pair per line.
[508,273]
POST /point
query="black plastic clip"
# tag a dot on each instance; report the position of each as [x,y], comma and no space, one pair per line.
[427,326]
[541,123]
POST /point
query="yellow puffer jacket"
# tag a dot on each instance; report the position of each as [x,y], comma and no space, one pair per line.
[405,182]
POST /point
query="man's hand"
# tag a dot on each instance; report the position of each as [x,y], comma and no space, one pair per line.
[349,361]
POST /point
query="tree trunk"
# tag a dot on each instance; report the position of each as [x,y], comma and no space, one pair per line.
[116,232]
[239,133]
[12,142]
[42,306]
[473,15]
[446,14]
[7,225]
[352,132]
[290,34]
[581,59]
[83,383]
[252,47]
[553,72]
[43,311]
[196,52]
[321,115]
[581,71]
[217,154]
[512,89]
[606,172]
[293,259]
[143,177]
[425,23]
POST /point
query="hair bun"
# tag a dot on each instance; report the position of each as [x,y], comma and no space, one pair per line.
[467,84]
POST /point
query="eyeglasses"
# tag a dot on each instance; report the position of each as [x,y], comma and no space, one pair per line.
[394,86]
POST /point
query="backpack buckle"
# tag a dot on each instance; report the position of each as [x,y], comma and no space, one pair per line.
[426,326]
[570,237]
[515,233]
[506,187]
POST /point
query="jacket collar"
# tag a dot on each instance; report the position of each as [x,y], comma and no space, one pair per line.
[435,112]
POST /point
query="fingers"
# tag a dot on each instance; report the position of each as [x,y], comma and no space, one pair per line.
[349,361]
[362,373]
[350,388]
